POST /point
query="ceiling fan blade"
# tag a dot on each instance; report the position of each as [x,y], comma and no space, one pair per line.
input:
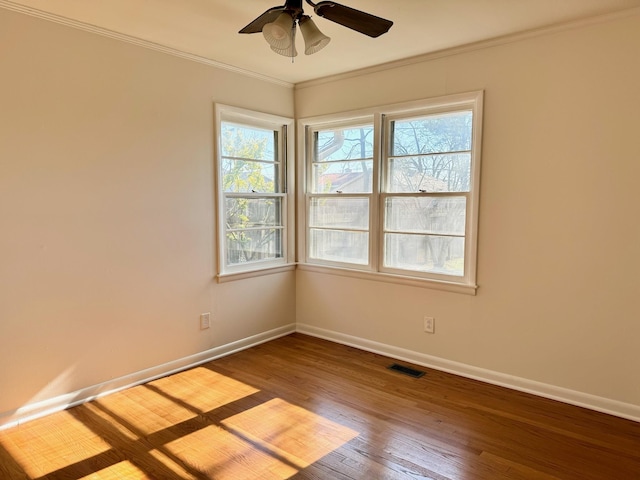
[267,17]
[354,19]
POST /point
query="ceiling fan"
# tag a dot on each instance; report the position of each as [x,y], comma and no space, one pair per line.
[278,25]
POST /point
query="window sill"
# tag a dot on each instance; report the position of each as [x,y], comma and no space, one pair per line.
[230,277]
[389,278]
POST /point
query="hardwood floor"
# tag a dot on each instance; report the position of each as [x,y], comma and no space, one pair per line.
[300,407]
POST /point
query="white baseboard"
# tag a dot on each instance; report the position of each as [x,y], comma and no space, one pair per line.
[62,402]
[572,397]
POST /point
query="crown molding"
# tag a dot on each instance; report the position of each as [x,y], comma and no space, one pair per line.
[448,52]
[471,47]
[34,12]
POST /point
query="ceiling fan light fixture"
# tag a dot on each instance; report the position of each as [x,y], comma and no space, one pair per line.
[279,33]
[278,25]
[314,39]
[287,52]
[290,51]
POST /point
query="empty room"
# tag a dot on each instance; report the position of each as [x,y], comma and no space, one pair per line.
[369,239]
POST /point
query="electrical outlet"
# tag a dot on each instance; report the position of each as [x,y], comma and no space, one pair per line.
[205,321]
[429,324]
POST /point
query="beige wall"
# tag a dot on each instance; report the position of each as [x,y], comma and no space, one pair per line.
[106,211]
[559,236]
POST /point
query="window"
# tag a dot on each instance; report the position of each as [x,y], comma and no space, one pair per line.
[253,189]
[394,191]
[340,193]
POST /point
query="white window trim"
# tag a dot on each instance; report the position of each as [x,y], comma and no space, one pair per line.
[263,120]
[391,278]
[373,271]
[365,118]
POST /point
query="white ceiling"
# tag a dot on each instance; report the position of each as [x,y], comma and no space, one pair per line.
[208,28]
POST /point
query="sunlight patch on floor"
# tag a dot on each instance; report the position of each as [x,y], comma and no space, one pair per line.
[174,427]
[201,389]
[178,471]
[53,443]
[222,455]
[119,471]
[289,432]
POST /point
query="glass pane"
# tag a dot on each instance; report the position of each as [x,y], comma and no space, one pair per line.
[253,212]
[449,132]
[430,173]
[425,253]
[343,177]
[253,245]
[243,176]
[352,213]
[243,141]
[343,144]
[339,246]
[441,215]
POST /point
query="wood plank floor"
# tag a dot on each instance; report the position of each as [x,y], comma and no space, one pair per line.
[304,408]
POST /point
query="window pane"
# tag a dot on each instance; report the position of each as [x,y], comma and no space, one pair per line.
[344,177]
[433,134]
[425,253]
[253,245]
[352,213]
[253,212]
[343,144]
[430,173]
[339,246]
[441,215]
[243,176]
[242,141]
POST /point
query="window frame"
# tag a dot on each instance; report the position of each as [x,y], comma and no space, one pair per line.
[286,176]
[382,116]
[373,207]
